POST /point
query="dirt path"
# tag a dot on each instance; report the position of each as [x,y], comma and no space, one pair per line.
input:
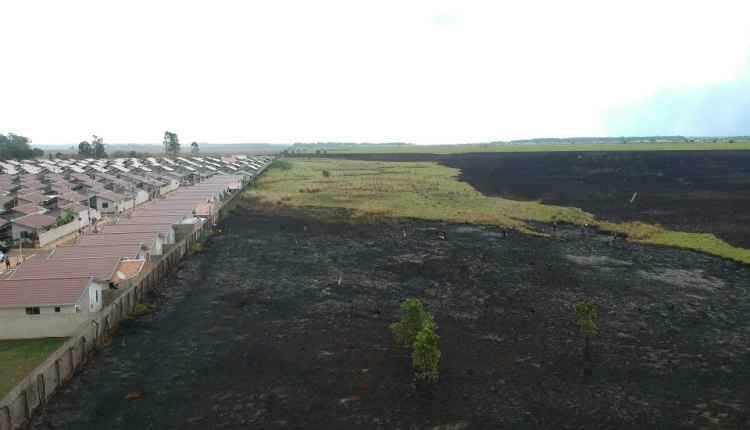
[257,333]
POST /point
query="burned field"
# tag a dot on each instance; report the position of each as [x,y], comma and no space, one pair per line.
[283,323]
[693,191]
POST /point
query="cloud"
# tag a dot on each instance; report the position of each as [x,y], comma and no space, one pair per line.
[719,109]
[426,71]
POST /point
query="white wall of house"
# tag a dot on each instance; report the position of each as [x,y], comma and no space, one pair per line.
[158,247]
[141,196]
[105,206]
[169,237]
[22,326]
[17,324]
[17,230]
[95,297]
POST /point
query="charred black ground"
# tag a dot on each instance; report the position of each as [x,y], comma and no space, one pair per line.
[694,191]
[257,333]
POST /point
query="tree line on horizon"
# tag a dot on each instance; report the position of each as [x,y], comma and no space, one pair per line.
[16,147]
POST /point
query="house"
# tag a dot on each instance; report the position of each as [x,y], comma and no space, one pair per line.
[52,298]
[29,227]
[25,209]
[39,199]
[109,202]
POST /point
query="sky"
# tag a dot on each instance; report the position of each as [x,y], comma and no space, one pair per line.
[427,72]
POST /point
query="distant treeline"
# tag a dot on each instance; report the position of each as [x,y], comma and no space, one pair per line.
[624,140]
[344,145]
[124,150]
[15,147]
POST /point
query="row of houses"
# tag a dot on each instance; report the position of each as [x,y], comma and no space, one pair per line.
[39,196]
[52,294]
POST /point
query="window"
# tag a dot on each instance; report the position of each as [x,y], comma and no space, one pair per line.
[105,205]
[97,296]
[57,308]
[32,311]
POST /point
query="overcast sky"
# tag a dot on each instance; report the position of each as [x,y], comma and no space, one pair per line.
[429,72]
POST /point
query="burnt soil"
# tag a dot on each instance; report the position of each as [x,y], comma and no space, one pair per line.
[695,191]
[257,332]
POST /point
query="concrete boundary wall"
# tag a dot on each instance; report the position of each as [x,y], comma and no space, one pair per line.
[54,234]
[32,393]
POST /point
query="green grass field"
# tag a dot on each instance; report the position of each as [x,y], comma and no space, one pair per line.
[430,191]
[19,357]
[541,147]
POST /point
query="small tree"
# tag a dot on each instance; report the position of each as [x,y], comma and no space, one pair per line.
[326,174]
[413,318]
[65,217]
[586,319]
[84,149]
[97,147]
[416,328]
[425,355]
[194,148]
[171,143]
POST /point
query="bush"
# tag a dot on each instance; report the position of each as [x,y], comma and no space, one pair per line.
[416,328]
[198,247]
[326,174]
[425,355]
[413,318]
[586,318]
[67,216]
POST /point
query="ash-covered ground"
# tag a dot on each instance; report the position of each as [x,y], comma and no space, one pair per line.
[257,332]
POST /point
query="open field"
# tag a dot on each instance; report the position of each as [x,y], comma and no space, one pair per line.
[545,147]
[700,191]
[257,332]
[426,190]
[19,357]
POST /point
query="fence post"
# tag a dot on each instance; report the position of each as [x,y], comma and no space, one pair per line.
[8,419]
[26,408]
[42,389]
[57,372]
[72,363]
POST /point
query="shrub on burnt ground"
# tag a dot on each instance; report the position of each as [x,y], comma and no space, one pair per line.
[198,247]
[416,328]
[586,319]
[414,317]
[425,355]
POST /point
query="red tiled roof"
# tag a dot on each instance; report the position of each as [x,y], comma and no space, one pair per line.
[136,228]
[28,208]
[97,267]
[103,239]
[36,220]
[76,251]
[41,292]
